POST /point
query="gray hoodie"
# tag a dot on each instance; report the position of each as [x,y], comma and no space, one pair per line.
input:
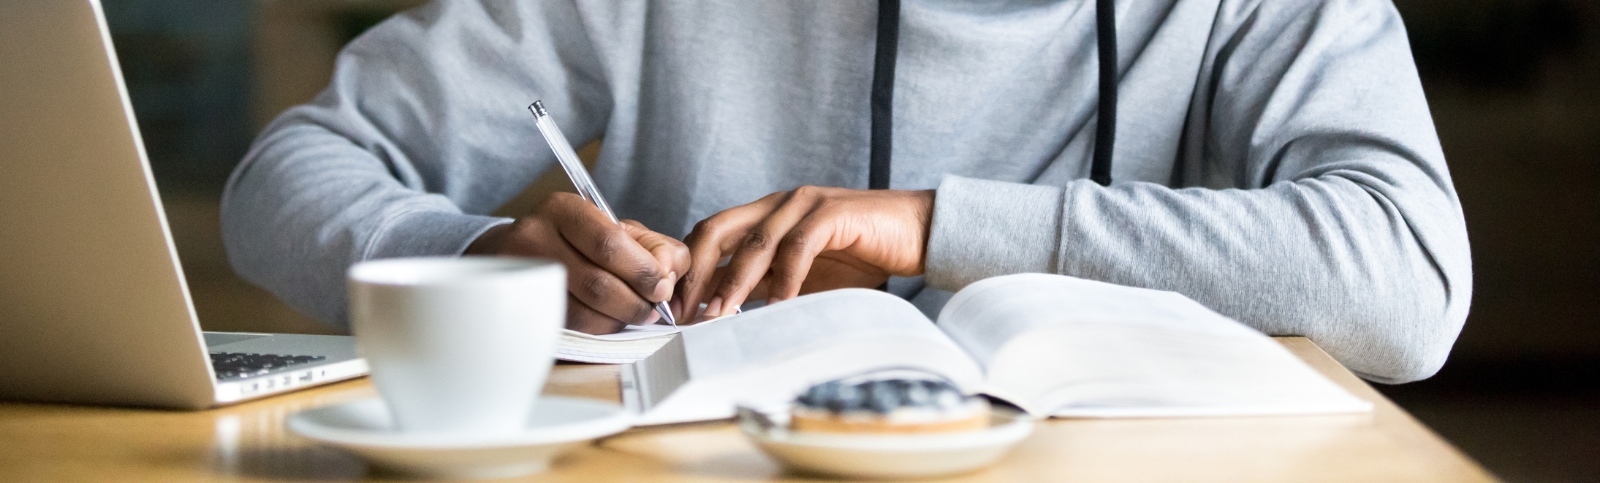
[1275,159]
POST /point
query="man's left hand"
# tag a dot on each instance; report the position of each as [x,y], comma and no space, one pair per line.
[802,241]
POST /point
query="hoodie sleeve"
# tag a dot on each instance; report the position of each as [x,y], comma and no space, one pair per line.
[421,132]
[1320,204]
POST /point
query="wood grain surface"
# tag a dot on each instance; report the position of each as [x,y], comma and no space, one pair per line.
[248,442]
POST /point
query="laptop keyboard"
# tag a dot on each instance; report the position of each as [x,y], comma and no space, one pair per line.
[232,366]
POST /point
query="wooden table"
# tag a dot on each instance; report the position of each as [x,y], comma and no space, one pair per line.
[248,442]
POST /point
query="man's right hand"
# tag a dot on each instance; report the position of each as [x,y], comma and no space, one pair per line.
[615,273]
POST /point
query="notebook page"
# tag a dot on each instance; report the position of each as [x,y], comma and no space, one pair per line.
[634,342]
[632,332]
[631,344]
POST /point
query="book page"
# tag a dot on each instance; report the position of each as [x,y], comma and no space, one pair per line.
[1123,370]
[803,325]
[775,352]
[1063,346]
[989,313]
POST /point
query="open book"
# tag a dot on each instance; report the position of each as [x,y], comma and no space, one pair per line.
[1049,344]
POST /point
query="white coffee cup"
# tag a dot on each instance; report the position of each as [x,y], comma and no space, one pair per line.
[458,345]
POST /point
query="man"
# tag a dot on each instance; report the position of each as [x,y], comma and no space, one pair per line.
[1275,160]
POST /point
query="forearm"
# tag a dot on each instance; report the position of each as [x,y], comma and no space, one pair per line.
[408,144]
[1328,257]
[1323,204]
[307,203]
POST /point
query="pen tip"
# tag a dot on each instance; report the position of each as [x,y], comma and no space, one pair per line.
[666,313]
[538,108]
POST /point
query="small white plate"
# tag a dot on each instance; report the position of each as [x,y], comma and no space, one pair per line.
[892,456]
[365,428]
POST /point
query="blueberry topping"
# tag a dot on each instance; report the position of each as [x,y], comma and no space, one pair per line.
[948,400]
[918,394]
[847,398]
[882,396]
[820,394]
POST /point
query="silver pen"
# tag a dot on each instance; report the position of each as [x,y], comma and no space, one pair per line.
[580,177]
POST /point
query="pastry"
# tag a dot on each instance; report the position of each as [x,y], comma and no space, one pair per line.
[888,405]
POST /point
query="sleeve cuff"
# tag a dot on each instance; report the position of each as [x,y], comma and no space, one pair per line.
[983,229]
[430,233]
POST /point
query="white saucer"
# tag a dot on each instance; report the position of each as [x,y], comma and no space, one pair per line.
[892,456]
[365,428]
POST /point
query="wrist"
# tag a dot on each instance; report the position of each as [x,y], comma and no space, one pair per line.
[922,207]
[490,242]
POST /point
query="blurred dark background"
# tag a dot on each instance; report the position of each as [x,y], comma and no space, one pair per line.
[1514,86]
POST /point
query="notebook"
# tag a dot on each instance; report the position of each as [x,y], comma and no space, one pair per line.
[1051,345]
[633,343]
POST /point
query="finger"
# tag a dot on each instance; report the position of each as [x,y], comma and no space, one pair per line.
[701,310]
[607,245]
[706,245]
[754,255]
[795,254]
[590,321]
[595,287]
[709,240]
[598,288]
[759,292]
[670,254]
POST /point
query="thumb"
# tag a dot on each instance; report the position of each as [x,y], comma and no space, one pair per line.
[671,255]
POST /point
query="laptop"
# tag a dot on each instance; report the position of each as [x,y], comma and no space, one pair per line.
[93,303]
